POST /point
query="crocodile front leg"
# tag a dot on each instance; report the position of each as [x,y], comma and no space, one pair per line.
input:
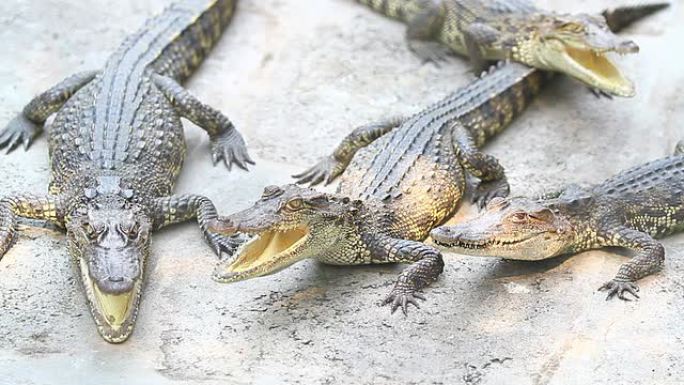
[476,37]
[226,142]
[333,165]
[46,208]
[493,181]
[426,266]
[679,148]
[422,29]
[649,259]
[181,208]
[27,125]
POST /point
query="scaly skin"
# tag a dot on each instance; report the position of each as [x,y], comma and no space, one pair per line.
[387,201]
[116,148]
[628,210]
[516,30]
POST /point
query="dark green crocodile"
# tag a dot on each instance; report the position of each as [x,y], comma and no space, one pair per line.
[627,210]
[575,45]
[116,148]
[387,201]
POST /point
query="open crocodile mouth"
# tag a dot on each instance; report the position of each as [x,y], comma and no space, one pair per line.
[267,252]
[114,314]
[594,68]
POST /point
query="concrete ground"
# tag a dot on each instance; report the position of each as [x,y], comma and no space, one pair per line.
[295,77]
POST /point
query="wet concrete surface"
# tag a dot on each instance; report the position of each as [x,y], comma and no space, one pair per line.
[295,77]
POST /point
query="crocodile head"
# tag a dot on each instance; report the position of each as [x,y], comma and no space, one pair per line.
[288,224]
[578,46]
[513,228]
[110,242]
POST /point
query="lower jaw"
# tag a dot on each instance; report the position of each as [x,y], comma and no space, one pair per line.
[119,332]
[476,249]
[245,267]
[223,275]
[615,83]
[111,333]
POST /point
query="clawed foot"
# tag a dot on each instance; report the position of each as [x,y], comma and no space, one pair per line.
[225,246]
[402,298]
[486,191]
[19,130]
[619,288]
[230,146]
[599,93]
[325,171]
[430,51]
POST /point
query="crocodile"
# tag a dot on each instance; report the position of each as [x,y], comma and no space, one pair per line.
[628,210]
[573,44]
[387,201]
[116,148]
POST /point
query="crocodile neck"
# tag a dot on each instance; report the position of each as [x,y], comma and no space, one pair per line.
[459,14]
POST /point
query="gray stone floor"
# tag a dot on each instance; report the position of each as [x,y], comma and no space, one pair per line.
[296,76]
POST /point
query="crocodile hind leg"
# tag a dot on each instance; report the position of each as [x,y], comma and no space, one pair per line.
[426,266]
[27,125]
[181,208]
[493,181]
[226,142]
[47,208]
[333,165]
[649,259]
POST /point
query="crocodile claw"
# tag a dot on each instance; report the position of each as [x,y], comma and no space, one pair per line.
[620,288]
[19,130]
[486,191]
[402,298]
[224,246]
[429,51]
[600,93]
[325,171]
[230,147]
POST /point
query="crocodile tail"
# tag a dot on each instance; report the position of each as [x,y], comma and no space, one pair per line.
[622,17]
[402,10]
[206,20]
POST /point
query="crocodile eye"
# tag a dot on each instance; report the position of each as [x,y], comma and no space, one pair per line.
[543,215]
[133,230]
[271,191]
[497,202]
[294,204]
[572,27]
[89,230]
[520,217]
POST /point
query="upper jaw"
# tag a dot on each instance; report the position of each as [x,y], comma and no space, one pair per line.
[265,253]
[472,243]
[592,66]
[622,47]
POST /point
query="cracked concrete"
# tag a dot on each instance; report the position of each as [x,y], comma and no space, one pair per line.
[295,77]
